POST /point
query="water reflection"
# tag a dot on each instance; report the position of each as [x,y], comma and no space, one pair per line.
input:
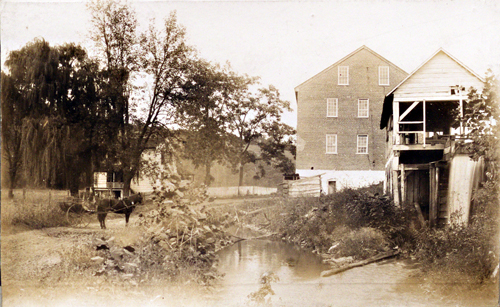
[247,260]
[387,283]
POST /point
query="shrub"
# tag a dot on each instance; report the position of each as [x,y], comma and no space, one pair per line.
[472,249]
[361,243]
[35,209]
[315,222]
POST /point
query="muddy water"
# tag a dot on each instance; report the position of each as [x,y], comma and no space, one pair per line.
[384,284]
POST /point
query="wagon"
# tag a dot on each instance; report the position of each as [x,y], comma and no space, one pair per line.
[78,211]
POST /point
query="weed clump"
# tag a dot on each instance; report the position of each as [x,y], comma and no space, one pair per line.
[352,222]
[34,209]
[469,250]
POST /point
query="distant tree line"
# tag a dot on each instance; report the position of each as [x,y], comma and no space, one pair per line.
[66,114]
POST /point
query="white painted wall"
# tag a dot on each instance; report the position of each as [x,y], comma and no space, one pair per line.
[344,179]
[100,179]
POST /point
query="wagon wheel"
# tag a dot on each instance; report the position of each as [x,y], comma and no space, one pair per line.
[86,218]
[76,216]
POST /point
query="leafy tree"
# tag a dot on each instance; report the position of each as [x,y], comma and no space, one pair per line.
[160,57]
[279,148]
[206,114]
[256,115]
[481,118]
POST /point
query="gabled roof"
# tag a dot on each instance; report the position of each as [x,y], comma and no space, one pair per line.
[430,58]
[387,107]
[345,58]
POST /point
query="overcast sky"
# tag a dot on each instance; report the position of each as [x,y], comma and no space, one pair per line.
[287,42]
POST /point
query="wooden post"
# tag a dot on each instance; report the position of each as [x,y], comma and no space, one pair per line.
[395,181]
[432,198]
[436,189]
[424,121]
[395,107]
[395,186]
[403,184]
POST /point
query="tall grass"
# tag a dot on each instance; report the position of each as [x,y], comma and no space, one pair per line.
[343,218]
[469,250]
[33,209]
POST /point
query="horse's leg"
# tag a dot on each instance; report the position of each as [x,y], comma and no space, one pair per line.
[127,216]
[102,219]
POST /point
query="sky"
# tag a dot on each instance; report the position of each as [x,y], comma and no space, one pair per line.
[287,42]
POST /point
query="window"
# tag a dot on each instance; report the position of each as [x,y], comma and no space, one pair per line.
[343,75]
[363,107]
[331,143]
[332,106]
[383,75]
[362,144]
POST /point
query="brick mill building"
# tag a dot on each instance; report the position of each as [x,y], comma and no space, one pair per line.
[338,116]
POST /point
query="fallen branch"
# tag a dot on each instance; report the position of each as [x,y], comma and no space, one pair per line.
[255,211]
[360,263]
[253,238]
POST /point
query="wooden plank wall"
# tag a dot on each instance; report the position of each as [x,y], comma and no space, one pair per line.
[417,189]
[433,80]
[310,186]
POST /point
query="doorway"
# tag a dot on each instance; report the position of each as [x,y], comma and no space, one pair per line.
[332,187]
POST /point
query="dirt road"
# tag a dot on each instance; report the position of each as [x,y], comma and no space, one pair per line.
[50,267]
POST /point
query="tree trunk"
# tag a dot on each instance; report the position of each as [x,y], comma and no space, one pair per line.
[11,189]
[127,180]
[12,177]
[240,183]
[208,177]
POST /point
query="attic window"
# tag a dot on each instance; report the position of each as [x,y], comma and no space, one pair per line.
[343,75]
[383,75]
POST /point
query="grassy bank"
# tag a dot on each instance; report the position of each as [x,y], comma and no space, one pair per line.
[165,243]
[360,223]
[357,223]
[33,209]
[468,252]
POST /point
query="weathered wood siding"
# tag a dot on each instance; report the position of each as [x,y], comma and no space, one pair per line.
[417,185]
[465,176]
[434,79]
[305,187]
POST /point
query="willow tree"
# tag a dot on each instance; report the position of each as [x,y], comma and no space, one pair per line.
[11,133]
[160,57]
[50,98]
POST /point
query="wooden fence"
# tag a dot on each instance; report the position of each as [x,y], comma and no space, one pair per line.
[239,191]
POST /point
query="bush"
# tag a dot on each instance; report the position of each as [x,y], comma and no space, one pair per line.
[35,209]
[319,222]
[471,250]
[361,243]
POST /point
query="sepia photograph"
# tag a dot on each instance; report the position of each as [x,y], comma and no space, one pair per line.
[250,153]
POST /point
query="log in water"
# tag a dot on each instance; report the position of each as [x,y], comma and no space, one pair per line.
[360,263]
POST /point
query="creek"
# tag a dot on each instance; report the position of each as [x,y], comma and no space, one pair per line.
[387,283]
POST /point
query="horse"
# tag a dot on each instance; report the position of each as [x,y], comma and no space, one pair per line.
[123,206]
